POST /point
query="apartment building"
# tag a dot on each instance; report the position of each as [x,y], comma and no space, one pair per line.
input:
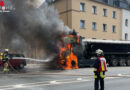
[91,19]
[125,24]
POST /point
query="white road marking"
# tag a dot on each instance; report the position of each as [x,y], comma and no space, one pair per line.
[79,79]
[18,86]
[119,74]
[52,82]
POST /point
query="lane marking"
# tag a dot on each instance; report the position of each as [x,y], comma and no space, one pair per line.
[119,74]
[52,82]
[79,79]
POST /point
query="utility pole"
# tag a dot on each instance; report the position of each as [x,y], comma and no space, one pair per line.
[67,12]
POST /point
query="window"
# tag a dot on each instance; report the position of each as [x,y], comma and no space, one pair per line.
[104,27]
[116,3]
[93,38]
[94,26]
[82,23]
[113,28]
[105,1]
[126,22]
[114,14]
[126,36]
[94,10]
[82,6]
[104,12]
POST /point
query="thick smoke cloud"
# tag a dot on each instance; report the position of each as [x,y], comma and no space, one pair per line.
[31,27]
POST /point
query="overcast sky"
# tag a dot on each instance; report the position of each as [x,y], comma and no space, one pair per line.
[128,1]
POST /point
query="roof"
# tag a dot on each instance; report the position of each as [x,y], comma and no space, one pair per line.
[106,41]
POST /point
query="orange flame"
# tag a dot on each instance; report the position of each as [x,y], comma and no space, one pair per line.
[67,59]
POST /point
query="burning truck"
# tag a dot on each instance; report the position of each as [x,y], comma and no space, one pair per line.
[76,52]
[67,57]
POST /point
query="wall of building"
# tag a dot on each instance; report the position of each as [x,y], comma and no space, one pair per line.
[73,15]
[89,17]
[64,9]
[125,29]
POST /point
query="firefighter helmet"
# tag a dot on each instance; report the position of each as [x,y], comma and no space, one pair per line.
[99,51]
[7,50]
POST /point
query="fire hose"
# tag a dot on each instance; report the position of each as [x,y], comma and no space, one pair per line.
[123,76]
[13,68]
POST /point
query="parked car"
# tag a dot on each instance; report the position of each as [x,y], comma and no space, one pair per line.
[16,61]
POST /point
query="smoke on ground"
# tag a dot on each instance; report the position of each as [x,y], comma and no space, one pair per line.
[30,29]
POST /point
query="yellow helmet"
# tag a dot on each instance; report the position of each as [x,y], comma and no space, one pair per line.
[99,51]
[7,50]
[1,53]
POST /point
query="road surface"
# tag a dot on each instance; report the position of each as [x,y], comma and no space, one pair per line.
[35,78]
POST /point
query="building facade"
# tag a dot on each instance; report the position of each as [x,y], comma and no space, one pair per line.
[91,19]
[125,24]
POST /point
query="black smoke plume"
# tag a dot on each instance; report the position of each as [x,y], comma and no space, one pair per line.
[31,29]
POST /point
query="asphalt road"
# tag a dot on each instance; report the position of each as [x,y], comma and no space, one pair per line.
[35,78]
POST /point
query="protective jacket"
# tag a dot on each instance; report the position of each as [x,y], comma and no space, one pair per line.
[5,57]
[102,64]
[100,67]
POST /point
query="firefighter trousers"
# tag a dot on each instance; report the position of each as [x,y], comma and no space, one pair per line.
[96,84]
[6,69]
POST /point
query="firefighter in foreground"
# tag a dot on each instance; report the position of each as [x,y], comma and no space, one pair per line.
[4,58]
[100,68]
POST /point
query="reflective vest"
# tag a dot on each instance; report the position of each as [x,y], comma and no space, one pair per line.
[102,65]
[5,57]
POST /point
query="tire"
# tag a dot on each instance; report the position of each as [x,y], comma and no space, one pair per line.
[21,65]
[114,62]
[73,63]
[122,62]
[128,62]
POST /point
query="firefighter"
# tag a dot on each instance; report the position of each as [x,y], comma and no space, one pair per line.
[1,56]
[5,61]
[100,68]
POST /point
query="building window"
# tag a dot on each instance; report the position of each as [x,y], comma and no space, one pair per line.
[82,6]
[113,28]
[93,38]
[126,36]
[94,10]
[94,25]
[82,23]
[104,12]
[116,3]
[104,27]
[105,1]
[126,22]
[114,14]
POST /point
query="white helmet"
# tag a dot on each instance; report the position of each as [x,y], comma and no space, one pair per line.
[7,50]
[99,51]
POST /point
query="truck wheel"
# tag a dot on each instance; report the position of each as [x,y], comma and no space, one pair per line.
[128,62]
[21,66]
[114,62]
[73,63]
[122,62]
